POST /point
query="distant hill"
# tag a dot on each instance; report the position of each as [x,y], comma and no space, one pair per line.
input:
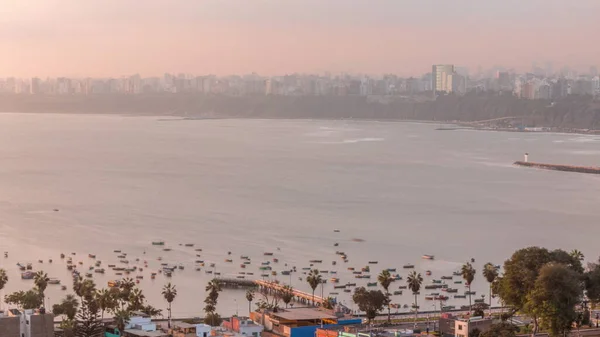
[581,112]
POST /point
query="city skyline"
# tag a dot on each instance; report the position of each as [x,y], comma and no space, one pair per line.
[115,38]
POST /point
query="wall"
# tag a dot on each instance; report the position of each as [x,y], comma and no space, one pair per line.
[10,326]
[41,325]
[307,331]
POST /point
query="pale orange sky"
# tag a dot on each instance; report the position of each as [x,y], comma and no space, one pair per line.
[150,37]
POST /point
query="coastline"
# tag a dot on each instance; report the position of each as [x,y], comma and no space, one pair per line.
[450,125]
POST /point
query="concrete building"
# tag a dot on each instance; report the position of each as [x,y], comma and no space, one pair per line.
[300,322]
[243,326]
[451,326]
[528,90]
[441,79]
[27,323]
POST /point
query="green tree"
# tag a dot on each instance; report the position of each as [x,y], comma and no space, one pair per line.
[287,295]
[503,329]
[369,301]
[414,281]
[3,282]
[68,306]
[468,274]
[213,288]
[136,300]
[151,311]
[121,318]
[169,293]
[83,288]
[30,299]
[490,272]
[521,271]
[126,286]
[106,301]
[89,324]
[314,279]
[556,292]
[41,282]
[385,279]
[592,282]
[249,298]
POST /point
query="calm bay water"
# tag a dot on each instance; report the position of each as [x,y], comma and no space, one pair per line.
[251,186]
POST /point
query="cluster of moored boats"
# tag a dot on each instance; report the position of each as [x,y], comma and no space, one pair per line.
[268,267]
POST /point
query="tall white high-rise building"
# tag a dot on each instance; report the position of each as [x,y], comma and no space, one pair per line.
[441,77]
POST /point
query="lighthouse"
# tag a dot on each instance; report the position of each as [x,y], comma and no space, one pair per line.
[526,157]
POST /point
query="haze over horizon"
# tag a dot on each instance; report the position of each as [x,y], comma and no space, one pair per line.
[120,37]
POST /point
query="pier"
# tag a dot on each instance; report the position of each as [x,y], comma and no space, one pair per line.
[565,168]
[300,296]
[236,283]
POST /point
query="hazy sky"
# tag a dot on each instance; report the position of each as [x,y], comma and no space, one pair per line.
[120,37]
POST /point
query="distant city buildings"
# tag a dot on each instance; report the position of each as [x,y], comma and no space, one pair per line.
[443,79]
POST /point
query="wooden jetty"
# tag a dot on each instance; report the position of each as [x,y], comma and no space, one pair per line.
[236,283]
[300,295]
[565,168]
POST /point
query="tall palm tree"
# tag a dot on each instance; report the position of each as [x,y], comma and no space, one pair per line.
[385,279]
[468,274]
[414,281]
[106,300]
[577,254]
[215,285]
[41,282]
[169,293]
[249,298]
[314,279]
[490,273]
[3,282]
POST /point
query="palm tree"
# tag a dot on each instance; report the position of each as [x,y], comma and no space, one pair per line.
[490,273]
[249,298]
[577,254]
[68,307]
[41,282]
[414,281]
[468,274]
[215,285]
[3,281]
[105,299]
[385,279]
[83,288]
[121,319]
[314,279]
[169,293]
[136,300]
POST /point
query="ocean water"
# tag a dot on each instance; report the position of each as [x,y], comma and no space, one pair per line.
[254,186]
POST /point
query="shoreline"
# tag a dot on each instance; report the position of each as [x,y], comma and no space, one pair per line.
[455,125]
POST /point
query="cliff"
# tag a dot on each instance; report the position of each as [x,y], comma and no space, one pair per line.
[579,112]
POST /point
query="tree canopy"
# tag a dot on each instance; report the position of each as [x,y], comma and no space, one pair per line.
[369,301]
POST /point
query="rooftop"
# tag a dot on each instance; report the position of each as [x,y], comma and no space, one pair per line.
[184,325]
[141,333]
[300,314]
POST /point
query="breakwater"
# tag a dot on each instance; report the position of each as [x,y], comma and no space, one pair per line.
[565,168]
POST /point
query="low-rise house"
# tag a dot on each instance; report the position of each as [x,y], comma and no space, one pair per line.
[26,323]
[452,326]
[243,325]
[182,329]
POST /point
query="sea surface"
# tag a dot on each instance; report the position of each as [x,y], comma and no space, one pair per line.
[282,186]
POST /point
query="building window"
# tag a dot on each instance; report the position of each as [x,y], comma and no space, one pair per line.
[460,327]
